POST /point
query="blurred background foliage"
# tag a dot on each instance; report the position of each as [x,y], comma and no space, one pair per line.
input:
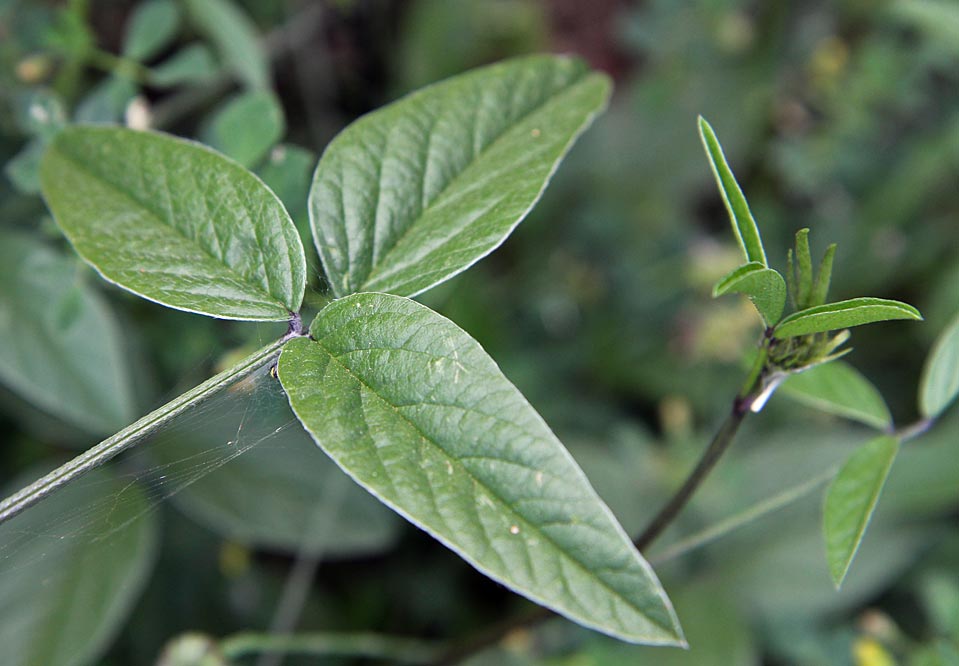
[839,116]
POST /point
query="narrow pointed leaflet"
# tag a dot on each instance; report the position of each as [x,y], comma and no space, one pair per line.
[763,286]
[415,411]
[843,314]
[420,190]
[175,222]
[744,226]
[851,500]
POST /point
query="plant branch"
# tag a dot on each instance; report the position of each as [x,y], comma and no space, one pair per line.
[720,442]
[375,646]
[134,433]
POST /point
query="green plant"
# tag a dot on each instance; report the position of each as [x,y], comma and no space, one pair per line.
[403,400]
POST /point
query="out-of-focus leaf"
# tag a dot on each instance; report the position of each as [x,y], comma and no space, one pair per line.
[246,127]
[414,193]
[844,314]
[151,28]
[940,376]
[70,34]
[763,286]
[61,348]
[744,226]
[175,222]
[235,37]
[936,17]
[106,102]
[303,502]
[191,64]
[839,389]
[939,591]
[287,171]
[70,570]
[414,410]
[23,169]
[851,500]
[440,38]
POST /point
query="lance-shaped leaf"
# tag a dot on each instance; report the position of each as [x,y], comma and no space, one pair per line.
[152,27]
[415,411]
[851,500]
[844,314]
[175,222]
[763,286]
[744,226]
[235,37]
[838,388]
[940,376]
[420,190]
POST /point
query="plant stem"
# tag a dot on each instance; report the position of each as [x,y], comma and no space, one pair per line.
[404,650]
[720,442]
[134,433]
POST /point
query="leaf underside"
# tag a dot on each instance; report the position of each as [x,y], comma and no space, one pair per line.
[175,222]
[763,286]
[940,375]
[416,412]
[851,500]
[418,191]
[843,314]
[838,388]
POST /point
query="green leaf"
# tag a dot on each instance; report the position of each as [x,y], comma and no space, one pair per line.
[107,102]
[844,314]
[62,349]
[71,569]
[764,287]
[246,126]
[420,190]
[235,37]
[191,64]
[940,376]
[744,226]
[838,388]
[803,269]
[175,222]
[23,169]
[820,290]
[415,411]
[851,500]
[151,28]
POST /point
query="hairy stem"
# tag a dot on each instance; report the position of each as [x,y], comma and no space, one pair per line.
[396,649]
[134,433]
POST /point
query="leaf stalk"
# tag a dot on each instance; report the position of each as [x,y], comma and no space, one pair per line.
[135,432]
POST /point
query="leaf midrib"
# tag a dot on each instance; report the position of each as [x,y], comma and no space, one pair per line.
[585,74]
[583,567]
[165,224]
